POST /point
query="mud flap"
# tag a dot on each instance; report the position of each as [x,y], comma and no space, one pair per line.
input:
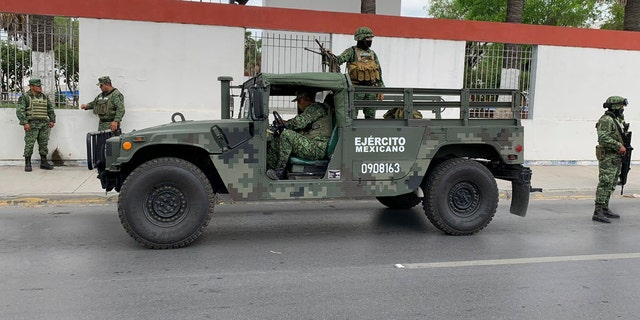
[521,189]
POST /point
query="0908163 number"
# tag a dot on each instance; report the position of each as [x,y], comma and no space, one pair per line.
[380,168]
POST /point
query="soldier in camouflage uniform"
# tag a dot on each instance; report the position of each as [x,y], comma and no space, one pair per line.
[363,67]
[108,105]
[305,136]
[35,114]
[609,152]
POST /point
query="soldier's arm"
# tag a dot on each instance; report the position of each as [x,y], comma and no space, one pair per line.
[346,55]
[50,112]
[91,104]
[606,136]
[309,116]
[21,110]
[375,57]
[119,103]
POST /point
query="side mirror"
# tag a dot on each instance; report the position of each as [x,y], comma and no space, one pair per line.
[256,96]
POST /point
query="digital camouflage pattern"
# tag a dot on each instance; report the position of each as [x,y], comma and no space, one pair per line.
[39,132]
[36,110]
[372,159]
[108,107]
[609,161]
[396,159]
[306,136]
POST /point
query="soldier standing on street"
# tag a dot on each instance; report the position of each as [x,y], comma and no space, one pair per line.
[108,105]
[305,135]
[609,152]
[363,67]
[35,114]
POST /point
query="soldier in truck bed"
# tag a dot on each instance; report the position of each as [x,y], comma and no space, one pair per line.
[363,67]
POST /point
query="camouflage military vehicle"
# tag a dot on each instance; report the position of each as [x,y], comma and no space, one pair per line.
[168,176]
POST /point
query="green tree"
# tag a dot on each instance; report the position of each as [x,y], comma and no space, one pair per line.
[252,55]
[66,51]
[572,13]
[15,64]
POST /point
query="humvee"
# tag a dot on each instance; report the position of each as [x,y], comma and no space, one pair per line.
[169,176]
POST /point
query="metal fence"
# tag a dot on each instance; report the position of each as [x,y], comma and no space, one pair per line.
[43,47]
[283,52]
[498,65]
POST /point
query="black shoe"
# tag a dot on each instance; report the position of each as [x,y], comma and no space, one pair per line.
[609,214]
[44,164]
[599,216]
[275,174]
[27,164]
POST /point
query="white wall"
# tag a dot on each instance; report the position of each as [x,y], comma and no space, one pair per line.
[386,7]
[570,86]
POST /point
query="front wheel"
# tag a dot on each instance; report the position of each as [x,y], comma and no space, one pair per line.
[166,203]
[461,197]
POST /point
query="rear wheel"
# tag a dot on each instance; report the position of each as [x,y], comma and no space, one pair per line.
[403,201]
[166,203]
[461,197]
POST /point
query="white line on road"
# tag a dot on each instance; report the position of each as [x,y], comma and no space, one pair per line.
[497,262]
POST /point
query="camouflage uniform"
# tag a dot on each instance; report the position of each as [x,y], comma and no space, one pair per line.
[609,160]
[306,136]
[39,123]
[355,54]
[109,106]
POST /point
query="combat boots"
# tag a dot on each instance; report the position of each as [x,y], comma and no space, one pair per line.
[599,215]
[44,164]
[27,164]
[609,214]
[279,173]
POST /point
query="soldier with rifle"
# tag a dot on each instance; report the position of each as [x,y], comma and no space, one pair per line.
[614,156]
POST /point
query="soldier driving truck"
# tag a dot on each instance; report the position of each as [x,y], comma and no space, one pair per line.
[169,176]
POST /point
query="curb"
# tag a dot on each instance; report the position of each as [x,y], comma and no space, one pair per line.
[57,200]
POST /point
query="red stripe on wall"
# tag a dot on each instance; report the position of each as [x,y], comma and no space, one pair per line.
[174,11]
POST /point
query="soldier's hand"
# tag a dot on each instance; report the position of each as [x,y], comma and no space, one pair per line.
[83,106]
[51,124]
[27,127]
[622,150]
[114,126]
[380,96]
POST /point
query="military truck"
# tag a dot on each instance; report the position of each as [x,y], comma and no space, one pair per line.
[169,175]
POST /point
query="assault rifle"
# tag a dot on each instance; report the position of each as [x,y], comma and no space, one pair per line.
[626,158]
[328,59]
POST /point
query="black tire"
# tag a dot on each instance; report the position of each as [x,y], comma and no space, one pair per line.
[461,197]
[166,203]
[403,201]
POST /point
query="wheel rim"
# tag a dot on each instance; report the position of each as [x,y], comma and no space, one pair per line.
[464,199]
[165,206]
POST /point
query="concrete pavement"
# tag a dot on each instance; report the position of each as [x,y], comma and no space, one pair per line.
[76,184]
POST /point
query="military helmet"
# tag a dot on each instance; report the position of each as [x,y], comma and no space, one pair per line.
[363,33]
[615,102]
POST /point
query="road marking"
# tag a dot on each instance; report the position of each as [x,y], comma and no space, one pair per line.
[498,262]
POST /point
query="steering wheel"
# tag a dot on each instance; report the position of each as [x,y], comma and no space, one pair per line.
[278,123]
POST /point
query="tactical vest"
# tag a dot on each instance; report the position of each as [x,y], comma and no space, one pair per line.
[321,128]
[101,108]
[364,68]
[37,109]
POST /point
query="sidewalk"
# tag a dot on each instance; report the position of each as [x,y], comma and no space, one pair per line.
[76,184]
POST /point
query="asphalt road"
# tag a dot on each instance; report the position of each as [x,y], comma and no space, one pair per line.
[323,260]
